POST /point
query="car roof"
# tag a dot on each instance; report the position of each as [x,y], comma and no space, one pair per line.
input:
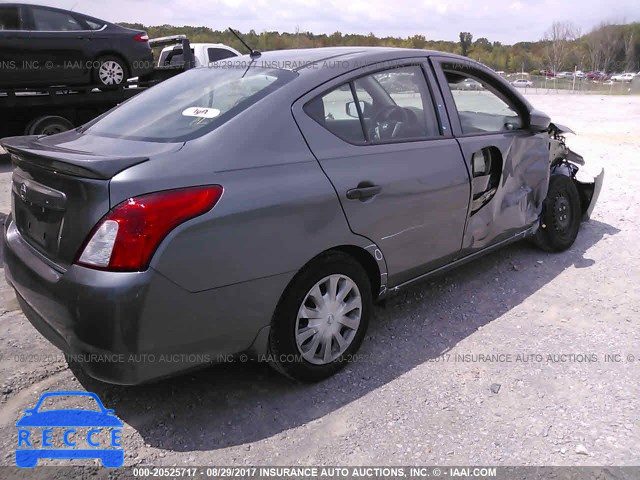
[303,60]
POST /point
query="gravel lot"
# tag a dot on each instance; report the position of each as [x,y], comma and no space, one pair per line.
[543,393]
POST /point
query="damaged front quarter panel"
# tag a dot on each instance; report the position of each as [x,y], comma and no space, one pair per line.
[565,161]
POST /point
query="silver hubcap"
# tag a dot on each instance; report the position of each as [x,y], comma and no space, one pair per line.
[328,319]
[111,73]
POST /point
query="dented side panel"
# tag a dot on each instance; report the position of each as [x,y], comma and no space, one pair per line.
[524,181]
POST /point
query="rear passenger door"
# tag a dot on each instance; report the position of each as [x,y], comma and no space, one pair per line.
[60,42]
[509,163]
[398,172]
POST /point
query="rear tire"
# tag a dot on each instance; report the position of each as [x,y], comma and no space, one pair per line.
[49,125]
[321,318]
[561,213]
[111,73]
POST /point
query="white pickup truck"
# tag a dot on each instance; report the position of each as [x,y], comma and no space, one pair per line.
[203,53]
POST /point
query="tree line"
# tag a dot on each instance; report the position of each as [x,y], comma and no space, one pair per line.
[608,47]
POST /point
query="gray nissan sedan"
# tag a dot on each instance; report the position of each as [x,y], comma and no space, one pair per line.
[261,205]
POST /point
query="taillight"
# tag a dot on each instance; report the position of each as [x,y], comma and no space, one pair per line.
[143,37]
[126,238]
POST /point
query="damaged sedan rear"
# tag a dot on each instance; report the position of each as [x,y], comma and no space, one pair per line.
[267,206]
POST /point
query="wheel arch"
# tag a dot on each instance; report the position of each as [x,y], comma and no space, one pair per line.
[367,259]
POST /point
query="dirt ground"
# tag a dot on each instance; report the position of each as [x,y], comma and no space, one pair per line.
[502,361]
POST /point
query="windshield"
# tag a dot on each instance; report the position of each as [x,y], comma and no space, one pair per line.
[190,104]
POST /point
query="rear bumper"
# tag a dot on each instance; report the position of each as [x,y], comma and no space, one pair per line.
[129,328]
[140,63]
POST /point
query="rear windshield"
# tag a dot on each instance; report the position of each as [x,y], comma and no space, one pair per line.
[190,104]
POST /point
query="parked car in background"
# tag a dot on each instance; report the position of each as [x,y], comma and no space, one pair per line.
[203,53]
[597,76]
[260,209]
[470,84]
[522,82]
[623,77]
[45,46]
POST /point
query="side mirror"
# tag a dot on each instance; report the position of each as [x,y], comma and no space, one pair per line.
[539,121]
[352,110]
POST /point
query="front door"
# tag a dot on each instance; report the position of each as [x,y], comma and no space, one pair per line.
[508,162]
[400,177]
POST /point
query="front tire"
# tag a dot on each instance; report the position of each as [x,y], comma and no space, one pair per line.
[561,215]
[321,318]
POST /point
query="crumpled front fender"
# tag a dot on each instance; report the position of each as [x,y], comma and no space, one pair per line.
[569,164]
[589,193]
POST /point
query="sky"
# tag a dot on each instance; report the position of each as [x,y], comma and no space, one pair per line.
[506,21]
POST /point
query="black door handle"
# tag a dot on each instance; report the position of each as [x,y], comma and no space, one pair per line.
[363,192]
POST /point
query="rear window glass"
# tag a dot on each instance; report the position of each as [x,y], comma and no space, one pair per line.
[190,104]
[94,24]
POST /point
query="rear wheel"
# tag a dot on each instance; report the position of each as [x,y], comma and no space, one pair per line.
[321,319]
[111,72]
[560,216]
[48,125]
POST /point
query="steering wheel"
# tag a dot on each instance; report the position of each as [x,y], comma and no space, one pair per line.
[386,122]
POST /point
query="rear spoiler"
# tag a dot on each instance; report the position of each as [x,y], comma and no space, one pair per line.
[71,162]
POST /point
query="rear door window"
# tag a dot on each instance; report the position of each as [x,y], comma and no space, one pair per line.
[332,111]
[10,18]
[52,21]
[393,105]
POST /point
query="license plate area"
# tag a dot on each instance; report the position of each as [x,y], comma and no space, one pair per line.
[39,213]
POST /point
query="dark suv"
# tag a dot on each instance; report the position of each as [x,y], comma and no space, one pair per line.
[44,46]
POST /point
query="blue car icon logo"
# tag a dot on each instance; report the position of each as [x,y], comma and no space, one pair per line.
[68,426]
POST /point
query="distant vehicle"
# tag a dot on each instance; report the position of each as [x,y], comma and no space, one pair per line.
[564,75]
[596,76]
[47,46]
[522,82]
[51,109]
[623,77]
[203,53]
[548,73]
[470,84]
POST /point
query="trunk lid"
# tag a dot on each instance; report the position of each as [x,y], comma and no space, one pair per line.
[60,187]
